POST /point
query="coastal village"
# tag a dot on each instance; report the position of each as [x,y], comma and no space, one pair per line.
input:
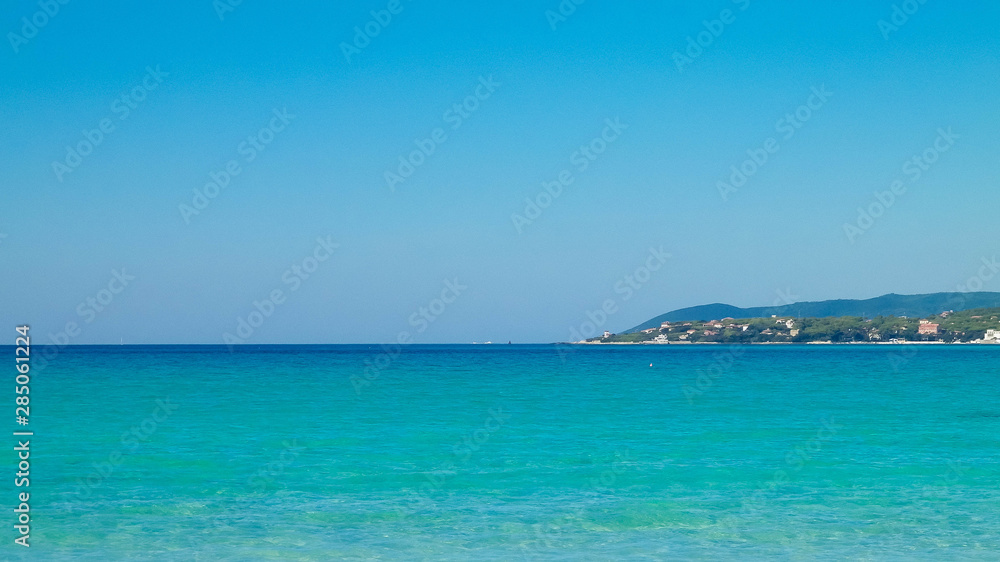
[972,326]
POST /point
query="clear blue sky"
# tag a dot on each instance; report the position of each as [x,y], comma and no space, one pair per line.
[323,174]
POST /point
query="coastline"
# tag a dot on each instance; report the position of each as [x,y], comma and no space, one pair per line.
[652,344]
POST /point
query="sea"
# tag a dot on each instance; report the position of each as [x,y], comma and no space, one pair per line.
[510,452]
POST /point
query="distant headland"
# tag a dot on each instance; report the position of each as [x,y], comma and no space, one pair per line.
[929,318]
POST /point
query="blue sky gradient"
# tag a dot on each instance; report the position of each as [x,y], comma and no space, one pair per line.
[348,122]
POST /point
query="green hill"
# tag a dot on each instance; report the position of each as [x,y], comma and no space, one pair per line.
[978,325]
[914,306]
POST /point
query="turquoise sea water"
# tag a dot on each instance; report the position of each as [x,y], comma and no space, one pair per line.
[514,452]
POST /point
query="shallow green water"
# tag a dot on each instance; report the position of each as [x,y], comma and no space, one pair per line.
[515,452]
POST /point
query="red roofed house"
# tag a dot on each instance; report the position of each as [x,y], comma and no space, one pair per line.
[928,328]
